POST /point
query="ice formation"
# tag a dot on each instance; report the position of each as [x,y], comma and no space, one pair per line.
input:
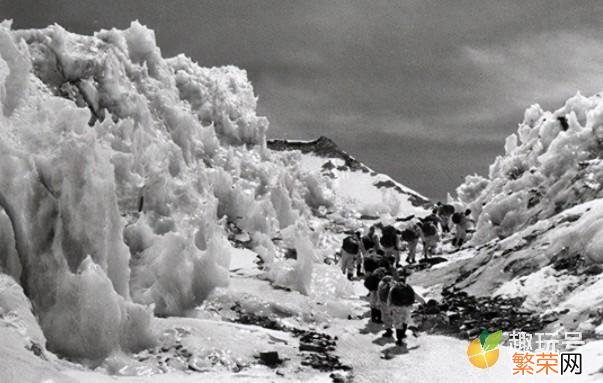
[295,274]
[552,163]
[119,171]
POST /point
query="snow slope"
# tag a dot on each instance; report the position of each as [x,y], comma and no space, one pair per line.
[355,186]
[539,217]
[431,358]
[547,263]
[539,221]
[552,163]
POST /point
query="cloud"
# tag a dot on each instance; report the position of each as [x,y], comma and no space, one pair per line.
[547,68]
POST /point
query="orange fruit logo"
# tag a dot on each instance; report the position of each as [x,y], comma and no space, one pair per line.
[483,351]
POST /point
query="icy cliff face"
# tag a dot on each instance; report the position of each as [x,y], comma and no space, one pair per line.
[551,164]
[119,171]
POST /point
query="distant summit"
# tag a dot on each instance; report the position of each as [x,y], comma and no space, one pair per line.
[324,147]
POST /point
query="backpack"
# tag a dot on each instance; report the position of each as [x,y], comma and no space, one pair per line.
[350,245]
[429,229]
[389,236]
[409,235]
[371,262]
[457,218]
[432,218]
[371,282]
[402,295]
[368,242]
[447,209]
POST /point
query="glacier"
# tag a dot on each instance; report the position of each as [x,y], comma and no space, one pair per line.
[552,163]
[119,171]
[129,183]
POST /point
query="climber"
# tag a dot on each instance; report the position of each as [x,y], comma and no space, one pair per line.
[391,243]
[374,237]
[367,240]
[445,212]
[461,223]
[400,300]
[383,289]
[378,259]
[431,238]
[350,254]
[411,236]
[371,282]
[434,218]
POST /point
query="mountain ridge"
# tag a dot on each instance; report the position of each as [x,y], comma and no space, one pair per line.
[327,148]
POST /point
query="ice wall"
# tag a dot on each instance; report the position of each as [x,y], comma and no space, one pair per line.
[552,162]
[119,171]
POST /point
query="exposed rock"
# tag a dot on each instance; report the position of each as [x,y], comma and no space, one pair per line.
[431,307]
[290,254]
[36,349]
[324,362]
[316,342]
[566,261]
[270,359]
[323,147]
[464,315]
[317,348]
[369,217]
[594,270]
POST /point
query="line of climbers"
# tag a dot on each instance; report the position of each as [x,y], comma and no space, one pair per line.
[390,298]
[377,257]
[391,241]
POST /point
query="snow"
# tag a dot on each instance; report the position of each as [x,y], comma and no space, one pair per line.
[430,358]
[545,263]
[313,163]
[243,261]
[297,274]
[127,179]
[120,170]
[174,274]
[546,289]
[590,297]
[89,318]
[15,311]
[552,163]
[358,190]
[586,235]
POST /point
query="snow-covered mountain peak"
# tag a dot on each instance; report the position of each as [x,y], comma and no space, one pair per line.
[355,184]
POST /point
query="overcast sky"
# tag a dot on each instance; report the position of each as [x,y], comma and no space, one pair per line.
[425,91]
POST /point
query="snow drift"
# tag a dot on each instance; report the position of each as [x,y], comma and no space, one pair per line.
[119,171]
